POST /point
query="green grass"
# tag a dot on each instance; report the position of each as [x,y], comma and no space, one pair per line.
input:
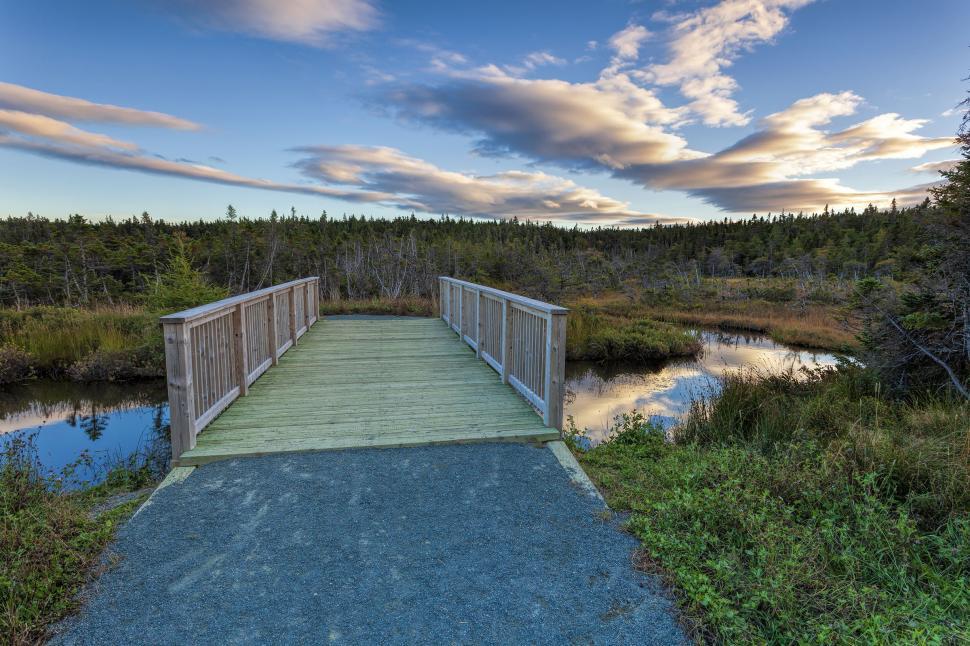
[50,541]
[82,344]
[592,336]
[809,510]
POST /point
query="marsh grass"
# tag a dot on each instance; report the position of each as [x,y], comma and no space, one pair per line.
[804,508]
[85,344]
[810,316]
[593,336]
[52,535]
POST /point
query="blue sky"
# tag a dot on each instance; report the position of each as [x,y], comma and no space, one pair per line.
[606,113]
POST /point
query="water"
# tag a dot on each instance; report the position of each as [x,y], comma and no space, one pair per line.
[596,393]
[108,421]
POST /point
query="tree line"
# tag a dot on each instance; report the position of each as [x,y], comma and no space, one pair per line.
[76,261]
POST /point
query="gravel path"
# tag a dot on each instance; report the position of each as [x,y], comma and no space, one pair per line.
[479,544]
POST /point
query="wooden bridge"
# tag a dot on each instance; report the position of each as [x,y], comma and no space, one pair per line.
[361,382]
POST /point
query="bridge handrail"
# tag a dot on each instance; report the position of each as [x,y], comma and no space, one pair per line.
[214,352]
[522,339]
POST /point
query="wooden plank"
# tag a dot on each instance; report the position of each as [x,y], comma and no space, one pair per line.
[372,383]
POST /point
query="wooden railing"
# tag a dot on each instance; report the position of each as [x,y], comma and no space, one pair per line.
[214,352]
[524,340]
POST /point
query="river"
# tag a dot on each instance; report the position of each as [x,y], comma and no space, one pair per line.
[112,422]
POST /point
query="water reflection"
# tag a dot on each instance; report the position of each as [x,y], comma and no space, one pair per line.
[108,421]
[596,393]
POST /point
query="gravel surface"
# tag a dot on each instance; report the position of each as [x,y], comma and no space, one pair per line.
[470,544]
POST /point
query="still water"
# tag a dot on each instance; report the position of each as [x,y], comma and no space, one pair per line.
[596,393]
[110,422]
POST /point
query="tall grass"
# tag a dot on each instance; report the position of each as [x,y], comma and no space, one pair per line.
[918,448]
[810,326]
[804,509]
[597,337]
[116,342]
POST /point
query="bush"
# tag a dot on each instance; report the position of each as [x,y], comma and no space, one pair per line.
[15,365]
[396,306]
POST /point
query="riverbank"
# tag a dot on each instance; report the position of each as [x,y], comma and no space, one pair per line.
[812,510]
[99,344]
[53,531]
[808,316]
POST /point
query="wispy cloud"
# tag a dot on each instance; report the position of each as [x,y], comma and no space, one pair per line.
[608,123]
[704,43]
[936,167]
[533,61]
[371,175]
[18,97]
[421,185]
[308,22]
[767,169]
[36,125]
[618,123]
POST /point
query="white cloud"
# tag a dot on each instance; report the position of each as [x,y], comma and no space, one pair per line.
[354,173]
[534,60]
[36,125]
[308,22]
[419,184]
[626,43]
[18,97]
[608,123]
[936,167]
[767,169]
[704,43]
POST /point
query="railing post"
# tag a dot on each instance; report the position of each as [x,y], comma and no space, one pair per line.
[479,323]
[506,340]
[291,295]
[241,339]
[271,328]
[462,312]
[444,293]
[555,369]
[181,401]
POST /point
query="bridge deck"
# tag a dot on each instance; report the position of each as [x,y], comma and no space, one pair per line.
[371,383]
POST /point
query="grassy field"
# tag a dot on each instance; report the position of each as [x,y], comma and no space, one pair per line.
[803,511]
[52,538]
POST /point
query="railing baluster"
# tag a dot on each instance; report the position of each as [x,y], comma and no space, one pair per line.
[214,351]
[523,339]
[242,339]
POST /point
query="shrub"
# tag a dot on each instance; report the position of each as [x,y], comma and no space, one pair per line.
[15,365]
[181,286]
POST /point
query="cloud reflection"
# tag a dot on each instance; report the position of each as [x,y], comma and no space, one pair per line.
[595,394]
